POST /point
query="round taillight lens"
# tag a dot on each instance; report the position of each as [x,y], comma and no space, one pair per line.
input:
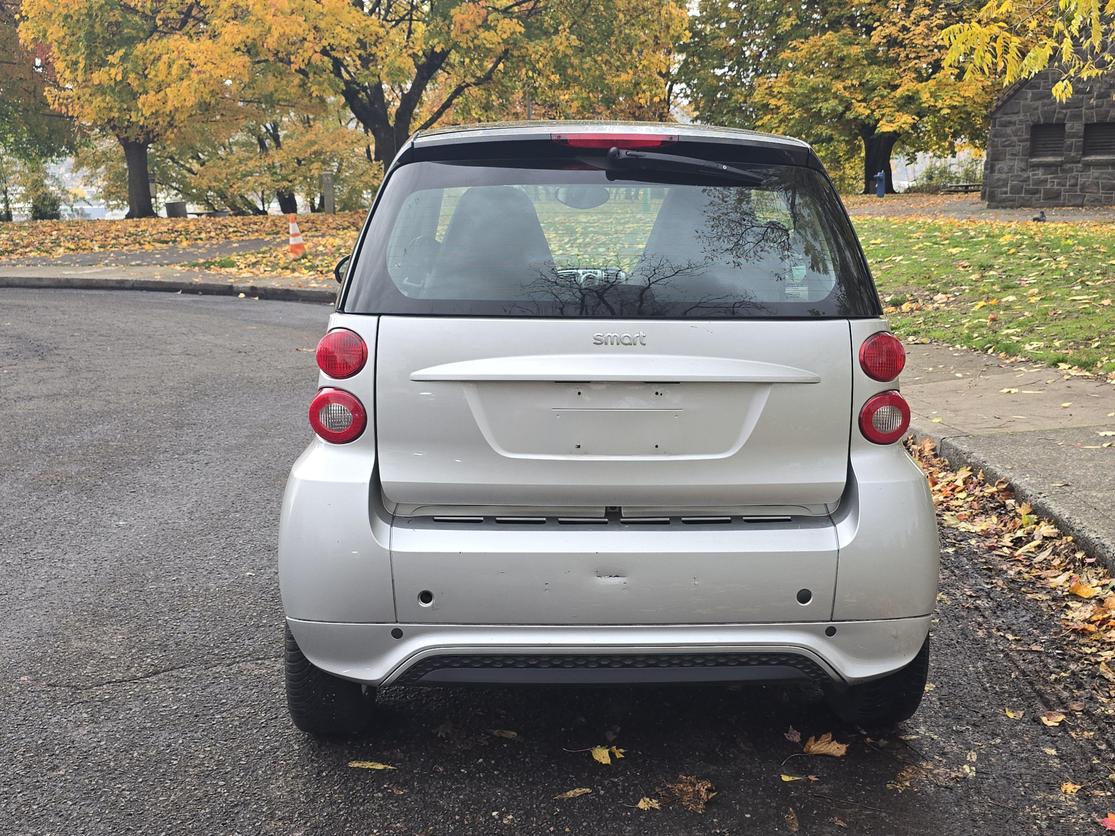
[337,416]
[884,418]
[341,353]
[882,356]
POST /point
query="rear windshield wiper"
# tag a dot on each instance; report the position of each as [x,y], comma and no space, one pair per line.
[624,158]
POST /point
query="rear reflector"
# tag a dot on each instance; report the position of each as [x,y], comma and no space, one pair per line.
[341,353]
[337,416]
[607,140]
[882,356]
[884,418]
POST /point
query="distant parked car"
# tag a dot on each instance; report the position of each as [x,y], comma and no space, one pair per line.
[606,403]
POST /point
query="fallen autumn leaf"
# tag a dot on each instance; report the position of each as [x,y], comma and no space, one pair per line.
[604,754]
[825,745]
[1081,589]
[691,792]
[792,821]
[577,792]
[369,765]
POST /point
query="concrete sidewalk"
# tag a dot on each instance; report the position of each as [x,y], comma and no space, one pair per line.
[1040,429]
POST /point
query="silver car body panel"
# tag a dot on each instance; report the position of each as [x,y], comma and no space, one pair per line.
[634,573]
[698,418]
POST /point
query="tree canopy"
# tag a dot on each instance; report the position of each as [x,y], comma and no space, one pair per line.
[1010,40]
[236,81]
[234,104]
[29,128]
[860,77]
[403,66]
[119,68]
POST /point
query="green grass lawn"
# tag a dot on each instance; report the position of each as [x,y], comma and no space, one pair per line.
[1045,292]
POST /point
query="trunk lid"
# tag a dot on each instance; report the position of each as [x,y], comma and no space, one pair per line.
[583,415]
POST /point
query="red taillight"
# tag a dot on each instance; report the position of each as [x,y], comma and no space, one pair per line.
[884,418]
[606,140]
[337,416]
[882,356]
[341,353]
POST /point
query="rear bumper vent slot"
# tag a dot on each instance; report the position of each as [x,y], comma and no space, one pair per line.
[573,667]
[464,519]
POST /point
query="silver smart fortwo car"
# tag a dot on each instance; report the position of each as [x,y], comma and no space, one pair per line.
[606,403]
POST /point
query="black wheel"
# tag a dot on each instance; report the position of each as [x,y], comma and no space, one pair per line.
[322,704]
[884,703]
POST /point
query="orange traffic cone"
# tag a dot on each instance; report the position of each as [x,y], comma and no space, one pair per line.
[297,248]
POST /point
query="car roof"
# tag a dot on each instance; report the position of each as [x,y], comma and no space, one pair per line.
[503,131]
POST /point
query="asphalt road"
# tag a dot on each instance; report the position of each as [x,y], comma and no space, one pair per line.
[145,440]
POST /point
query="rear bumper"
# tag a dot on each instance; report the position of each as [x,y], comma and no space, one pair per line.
[343,560]
[442,653]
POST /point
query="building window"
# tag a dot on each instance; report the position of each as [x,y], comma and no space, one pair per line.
[1047,140]
[1099,139]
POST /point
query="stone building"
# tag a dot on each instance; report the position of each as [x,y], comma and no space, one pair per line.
[1041,152]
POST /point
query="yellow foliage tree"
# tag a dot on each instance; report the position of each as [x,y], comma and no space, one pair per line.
[29,129]
[227,80]
[853,77]
[603,60]
[117,63]
[1016,39]
[406,65]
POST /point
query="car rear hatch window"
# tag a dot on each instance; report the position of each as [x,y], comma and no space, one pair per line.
[573,232]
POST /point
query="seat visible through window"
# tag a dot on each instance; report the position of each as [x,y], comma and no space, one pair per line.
[493,248]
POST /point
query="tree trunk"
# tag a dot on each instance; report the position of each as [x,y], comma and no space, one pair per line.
[139,181]
[877,148]
[385,146]
[369,102]
[288,205]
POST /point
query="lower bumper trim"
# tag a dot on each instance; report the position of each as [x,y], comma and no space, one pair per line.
[382,654]
[610,668]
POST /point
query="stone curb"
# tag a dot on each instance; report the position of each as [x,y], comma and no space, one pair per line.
[958,453]
[285,294]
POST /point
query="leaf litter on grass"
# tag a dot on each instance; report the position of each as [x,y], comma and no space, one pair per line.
[46,239]
[1041,291]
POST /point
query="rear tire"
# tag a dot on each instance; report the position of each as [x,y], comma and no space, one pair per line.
[884,703]
[322,704]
